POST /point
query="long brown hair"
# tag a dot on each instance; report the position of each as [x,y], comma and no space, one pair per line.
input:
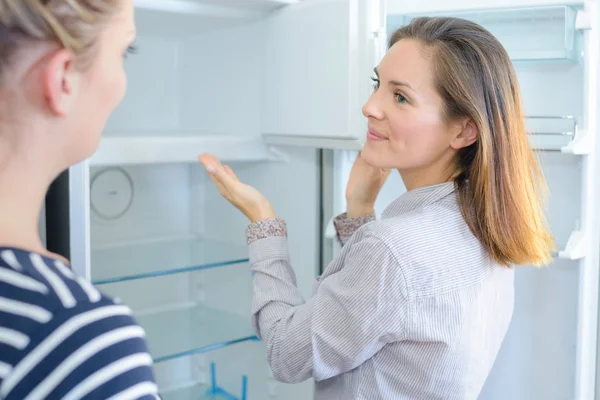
[500,184]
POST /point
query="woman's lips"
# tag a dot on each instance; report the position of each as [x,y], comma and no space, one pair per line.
[375,136]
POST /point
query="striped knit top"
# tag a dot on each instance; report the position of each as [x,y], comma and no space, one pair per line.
[60,338]
[412,308]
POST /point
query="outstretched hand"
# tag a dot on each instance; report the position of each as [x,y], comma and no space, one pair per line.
[244,197]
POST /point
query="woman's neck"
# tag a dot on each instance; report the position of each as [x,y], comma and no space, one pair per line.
[27,167]
[418,179]
[22,192]
[441,171]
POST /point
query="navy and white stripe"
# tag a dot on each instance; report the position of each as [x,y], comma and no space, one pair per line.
[60,338]
[412,308]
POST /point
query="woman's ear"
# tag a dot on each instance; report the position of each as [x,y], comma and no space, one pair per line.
[467,134]
[60,81]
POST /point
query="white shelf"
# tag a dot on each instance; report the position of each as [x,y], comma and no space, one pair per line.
[184,17]
[581,145]
[323,142]
[124,150]
[576,247]
[245,9]
[143,148]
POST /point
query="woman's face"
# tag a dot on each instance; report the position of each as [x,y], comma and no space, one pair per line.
[405,114]
[102,86]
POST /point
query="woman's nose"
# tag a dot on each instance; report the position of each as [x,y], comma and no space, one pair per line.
[372,108]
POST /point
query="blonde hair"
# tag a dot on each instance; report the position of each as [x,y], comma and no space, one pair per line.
[73,24]
[500,185]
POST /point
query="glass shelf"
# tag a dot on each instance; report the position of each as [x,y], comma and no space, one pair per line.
[197,392]
[206,392]
[192,330]
[123,263]
[528,33]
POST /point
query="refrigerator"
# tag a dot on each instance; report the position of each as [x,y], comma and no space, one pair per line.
[274,88]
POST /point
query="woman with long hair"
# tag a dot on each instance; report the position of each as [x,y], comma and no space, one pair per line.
[417,304]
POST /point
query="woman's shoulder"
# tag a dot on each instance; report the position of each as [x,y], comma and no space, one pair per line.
[421,226]
[44,280]
[434,247]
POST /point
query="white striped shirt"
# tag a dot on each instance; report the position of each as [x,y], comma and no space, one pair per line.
[412,308]
[60,338]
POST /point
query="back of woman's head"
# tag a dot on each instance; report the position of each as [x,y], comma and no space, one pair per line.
[73,24]
[499,181]
[61,71]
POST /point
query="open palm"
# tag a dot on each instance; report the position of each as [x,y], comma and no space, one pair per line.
[244,197]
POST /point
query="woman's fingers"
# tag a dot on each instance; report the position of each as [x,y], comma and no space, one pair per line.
[208,162]
[221,175]
[246,198]
[215,168]
[230,172]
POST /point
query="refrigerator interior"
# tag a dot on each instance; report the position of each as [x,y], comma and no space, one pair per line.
[537,360]
[163,240]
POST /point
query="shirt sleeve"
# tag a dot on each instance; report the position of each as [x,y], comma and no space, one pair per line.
[345,227]
[92,351]
[353,314]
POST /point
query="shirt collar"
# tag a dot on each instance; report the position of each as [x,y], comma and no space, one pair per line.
[418,198]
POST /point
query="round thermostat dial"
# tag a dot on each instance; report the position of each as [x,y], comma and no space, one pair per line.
[111,193]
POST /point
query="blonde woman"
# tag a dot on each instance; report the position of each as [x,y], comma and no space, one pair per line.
[416,305]
[61,75]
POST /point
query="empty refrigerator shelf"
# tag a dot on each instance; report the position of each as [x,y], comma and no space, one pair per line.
[192,330]
[175,147]
[146,260]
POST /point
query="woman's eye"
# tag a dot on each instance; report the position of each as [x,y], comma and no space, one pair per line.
[375,83]
[132,49]
[401,99]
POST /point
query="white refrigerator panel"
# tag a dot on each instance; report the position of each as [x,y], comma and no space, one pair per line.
[319,57]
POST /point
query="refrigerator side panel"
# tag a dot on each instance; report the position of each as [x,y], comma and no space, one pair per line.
[64,222]
[79,219]
[587,329]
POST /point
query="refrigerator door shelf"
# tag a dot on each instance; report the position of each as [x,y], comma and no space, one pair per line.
[537,33]
[153,259]
[576,247]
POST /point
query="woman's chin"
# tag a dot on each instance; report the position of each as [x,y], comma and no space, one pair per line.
[371,156]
